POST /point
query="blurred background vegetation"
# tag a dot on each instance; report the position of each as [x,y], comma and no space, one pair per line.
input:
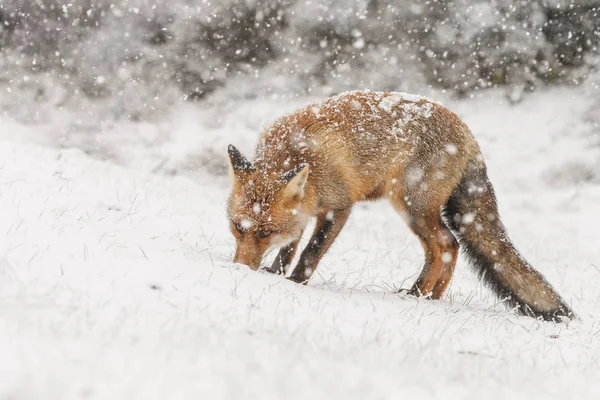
[133,58]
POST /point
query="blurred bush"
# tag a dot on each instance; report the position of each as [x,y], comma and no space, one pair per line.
[135,57]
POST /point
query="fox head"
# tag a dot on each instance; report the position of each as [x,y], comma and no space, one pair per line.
[266,207]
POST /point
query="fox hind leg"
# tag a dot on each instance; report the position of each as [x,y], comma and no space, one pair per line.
[449,254]
[441,251]
[421,209]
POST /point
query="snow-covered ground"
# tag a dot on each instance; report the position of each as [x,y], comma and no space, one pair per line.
[117,282]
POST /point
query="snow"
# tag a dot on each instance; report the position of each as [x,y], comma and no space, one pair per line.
[117,282]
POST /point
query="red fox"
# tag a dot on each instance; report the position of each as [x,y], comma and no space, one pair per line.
[363,145]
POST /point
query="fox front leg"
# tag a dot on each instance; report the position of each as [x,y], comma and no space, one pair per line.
[284,259]
[329,224]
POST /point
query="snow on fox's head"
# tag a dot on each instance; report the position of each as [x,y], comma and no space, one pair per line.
[265,207]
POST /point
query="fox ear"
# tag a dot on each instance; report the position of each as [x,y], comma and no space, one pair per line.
[238,163]
[296,180]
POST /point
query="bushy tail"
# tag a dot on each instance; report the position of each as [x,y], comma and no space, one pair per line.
[472,214]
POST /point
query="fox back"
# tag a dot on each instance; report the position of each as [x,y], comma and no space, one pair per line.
[357,142]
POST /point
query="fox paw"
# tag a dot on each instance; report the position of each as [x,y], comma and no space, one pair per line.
[407,292]
[275,271]
[413,291]
[298,280]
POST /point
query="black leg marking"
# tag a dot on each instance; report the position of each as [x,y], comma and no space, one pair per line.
[283,259]
[329,225]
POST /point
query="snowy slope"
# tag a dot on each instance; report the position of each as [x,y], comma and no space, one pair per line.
[117,283]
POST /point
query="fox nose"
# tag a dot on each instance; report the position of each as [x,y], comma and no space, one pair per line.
[244,258]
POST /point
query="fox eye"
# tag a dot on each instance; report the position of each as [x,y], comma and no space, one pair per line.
[239,228]
[264,234]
